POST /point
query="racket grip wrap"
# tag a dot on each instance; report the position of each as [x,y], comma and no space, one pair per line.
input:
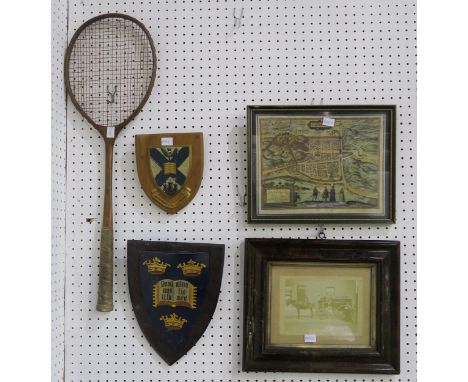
[106,271]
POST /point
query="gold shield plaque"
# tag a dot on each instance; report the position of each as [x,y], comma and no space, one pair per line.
[170,168]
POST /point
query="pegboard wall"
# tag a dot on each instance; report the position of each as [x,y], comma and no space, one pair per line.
[58,203]
[285,52]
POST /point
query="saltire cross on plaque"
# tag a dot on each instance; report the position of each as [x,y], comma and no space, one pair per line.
[170,168]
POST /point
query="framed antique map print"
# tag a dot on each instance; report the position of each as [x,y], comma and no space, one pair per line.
[321,305]
[321,164]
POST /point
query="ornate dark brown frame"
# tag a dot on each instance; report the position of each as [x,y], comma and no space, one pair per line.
[384,359]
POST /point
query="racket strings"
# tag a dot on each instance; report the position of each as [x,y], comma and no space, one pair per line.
[110,70]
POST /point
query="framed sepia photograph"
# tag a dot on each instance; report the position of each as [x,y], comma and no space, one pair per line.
[321,163]
[321,306]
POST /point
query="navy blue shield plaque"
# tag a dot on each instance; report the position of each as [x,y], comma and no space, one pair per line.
[174,288]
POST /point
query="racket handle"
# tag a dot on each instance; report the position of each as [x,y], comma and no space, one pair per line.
[106,271]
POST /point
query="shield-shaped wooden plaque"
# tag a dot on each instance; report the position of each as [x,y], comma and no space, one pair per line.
[174,288]
[170,168]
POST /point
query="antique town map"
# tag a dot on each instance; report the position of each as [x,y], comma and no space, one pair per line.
[306,166]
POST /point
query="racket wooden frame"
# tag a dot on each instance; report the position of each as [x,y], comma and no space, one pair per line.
[106,271]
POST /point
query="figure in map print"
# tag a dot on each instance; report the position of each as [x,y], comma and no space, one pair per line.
[306,166]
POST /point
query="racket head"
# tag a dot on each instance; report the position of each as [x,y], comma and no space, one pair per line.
[111,57]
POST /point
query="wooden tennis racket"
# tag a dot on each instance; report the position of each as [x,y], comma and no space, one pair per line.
[110,68]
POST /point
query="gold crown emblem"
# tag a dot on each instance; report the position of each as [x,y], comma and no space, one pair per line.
[173,321]
[191,268]
[156,266]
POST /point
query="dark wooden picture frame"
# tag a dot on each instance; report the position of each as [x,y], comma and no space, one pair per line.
[338,160]
[382,357]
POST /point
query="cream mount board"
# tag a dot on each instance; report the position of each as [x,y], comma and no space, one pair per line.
[284,52]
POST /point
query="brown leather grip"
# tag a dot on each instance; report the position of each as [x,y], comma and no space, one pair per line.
[106,271]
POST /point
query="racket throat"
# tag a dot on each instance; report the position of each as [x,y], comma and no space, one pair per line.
[107,213]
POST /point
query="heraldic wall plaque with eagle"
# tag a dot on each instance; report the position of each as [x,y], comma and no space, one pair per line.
[174,288]
[170,168]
